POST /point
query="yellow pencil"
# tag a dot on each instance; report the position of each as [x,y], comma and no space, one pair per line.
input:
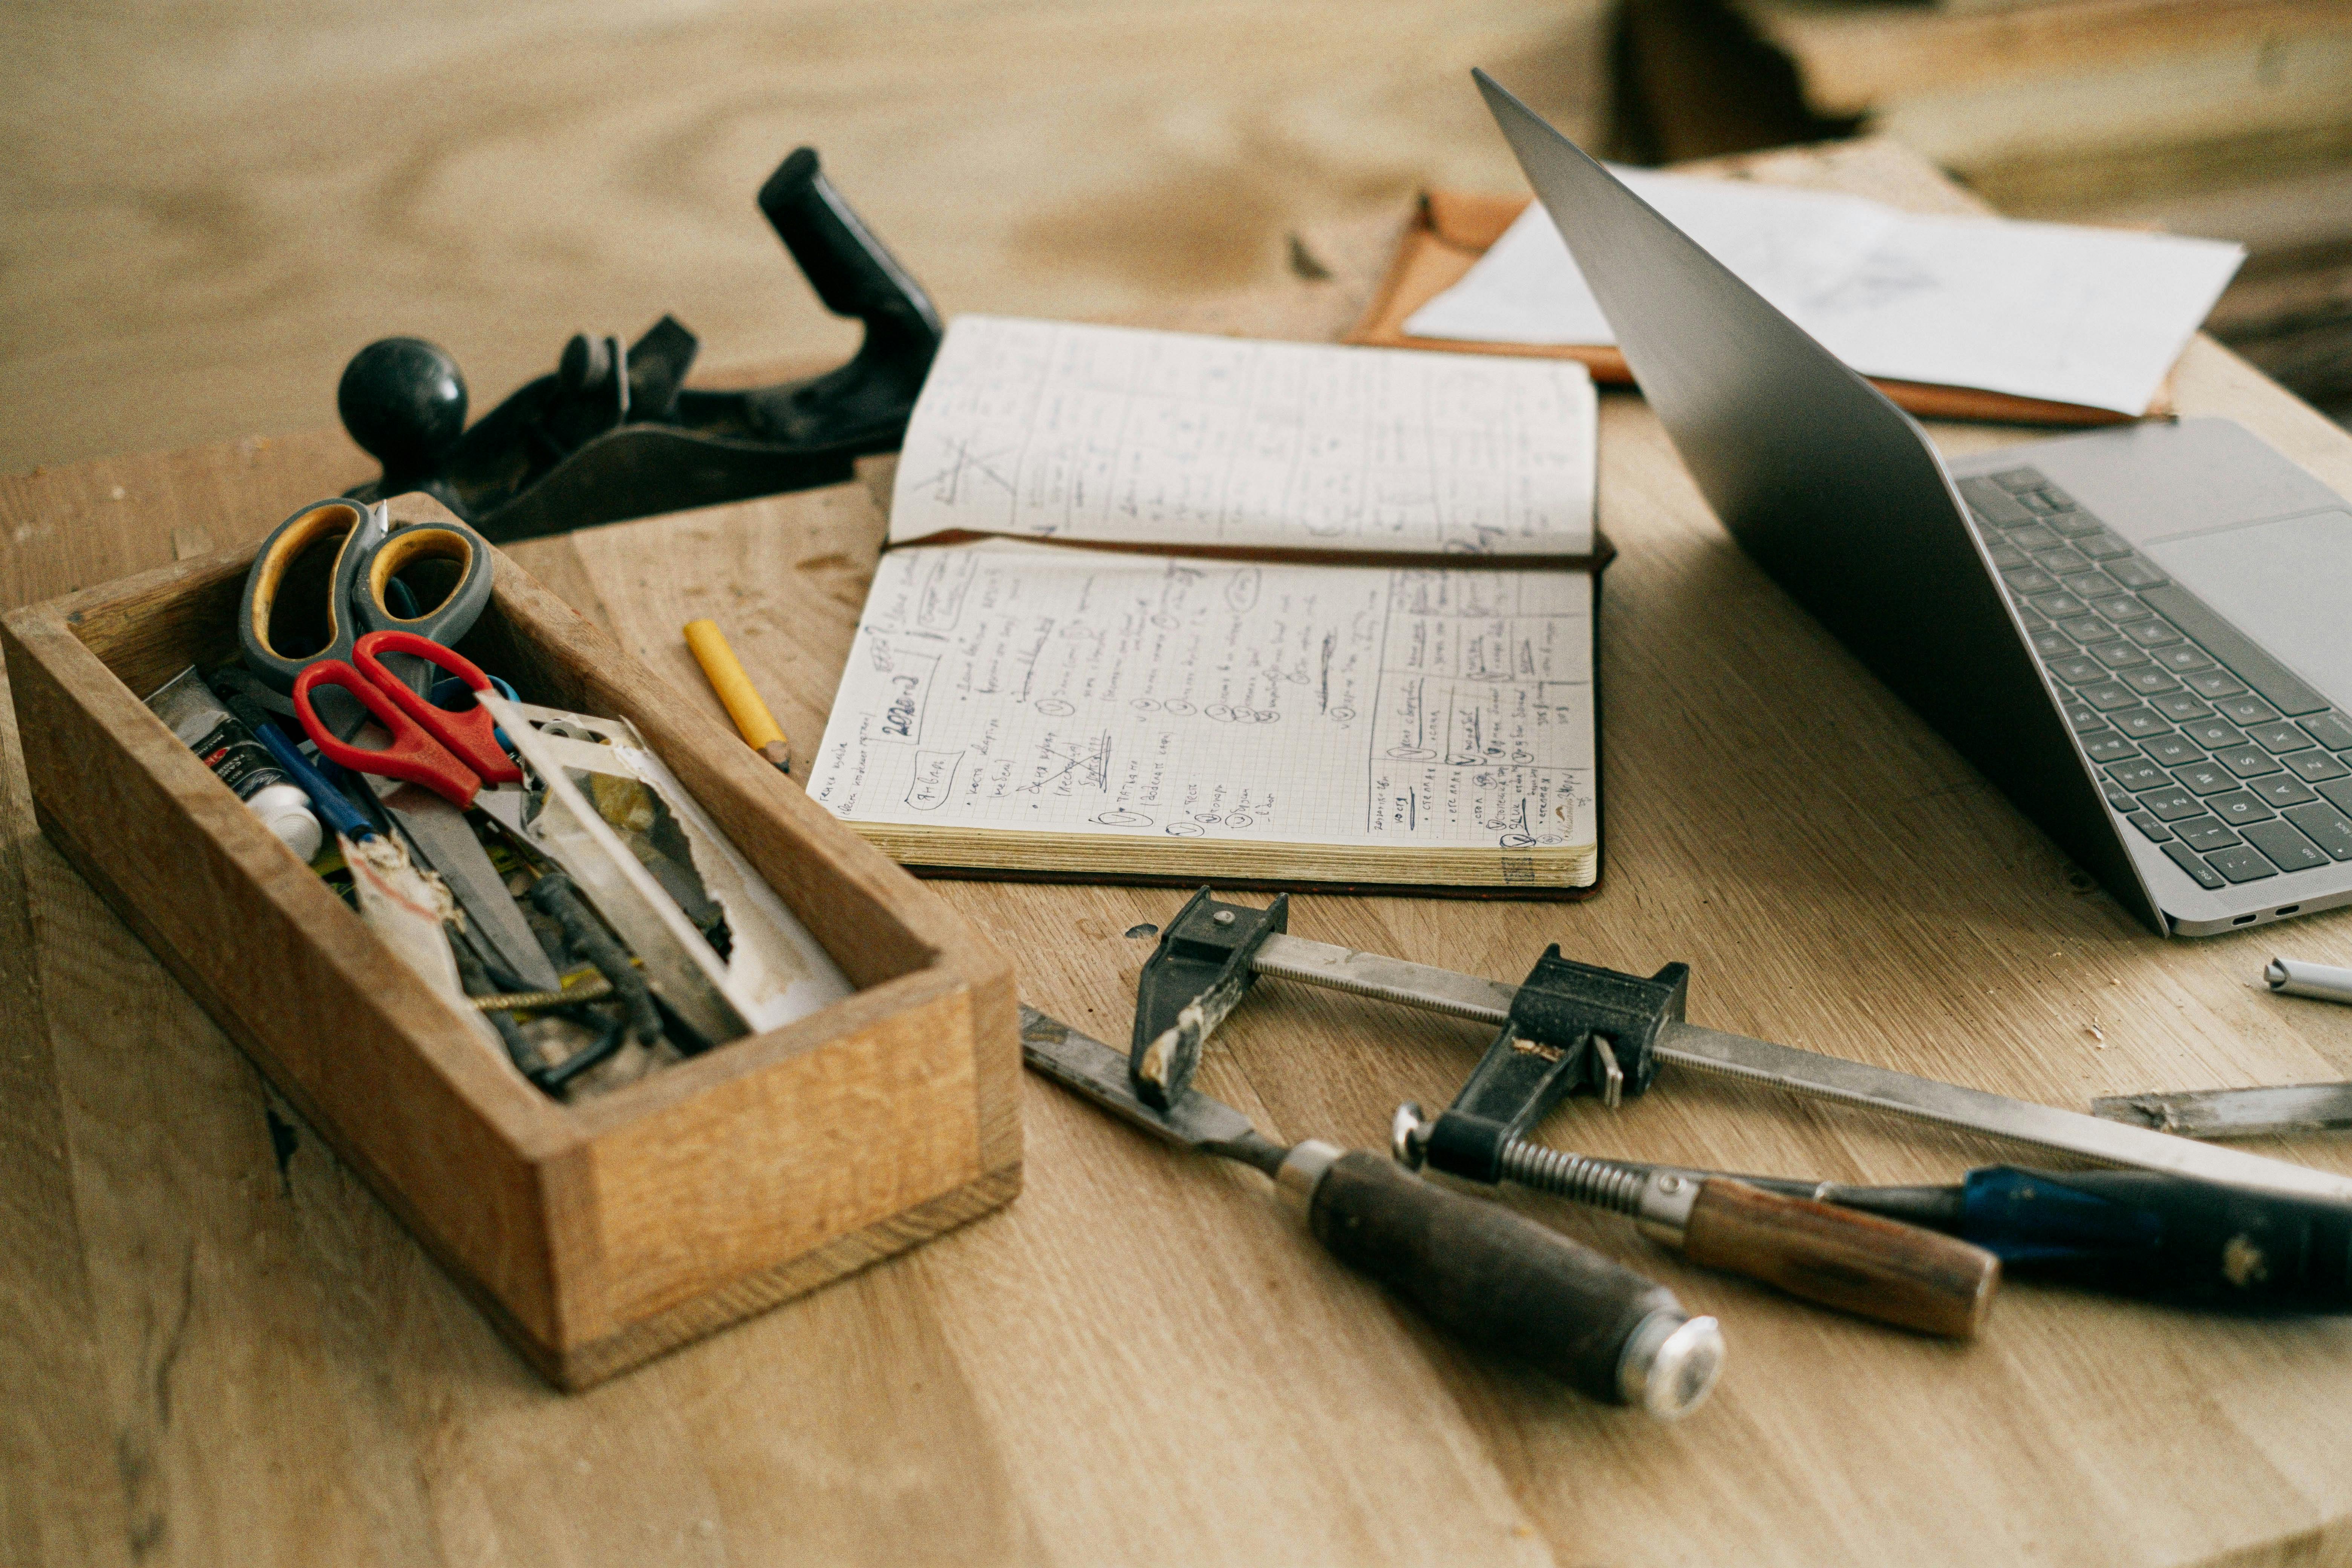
[725,672]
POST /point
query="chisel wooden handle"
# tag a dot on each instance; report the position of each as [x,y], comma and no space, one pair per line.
[1505,1283]
[1876,1267]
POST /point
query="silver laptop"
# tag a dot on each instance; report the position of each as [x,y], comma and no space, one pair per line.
[2142,635]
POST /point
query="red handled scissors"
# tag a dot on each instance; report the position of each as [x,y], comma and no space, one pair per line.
[451,752]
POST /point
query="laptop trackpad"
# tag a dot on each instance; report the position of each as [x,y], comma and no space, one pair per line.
[2287,584]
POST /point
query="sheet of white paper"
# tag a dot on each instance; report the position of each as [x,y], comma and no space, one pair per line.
[2087,316]
[1055,429]
[1012,685]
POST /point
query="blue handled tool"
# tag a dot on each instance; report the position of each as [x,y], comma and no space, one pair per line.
[2138,1233]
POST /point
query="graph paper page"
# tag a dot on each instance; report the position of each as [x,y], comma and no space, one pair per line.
[1010,685]
[1055,429]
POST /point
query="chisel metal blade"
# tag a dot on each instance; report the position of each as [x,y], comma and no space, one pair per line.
[1080,1062]
[2235,1112]
[1807,1072]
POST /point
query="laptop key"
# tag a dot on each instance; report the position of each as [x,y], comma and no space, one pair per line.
[2194,865]
[2077,670]
[2247,761]
[2185,658]
[2058,606]
[2036,502]
[2171,752]
[2140,723]
[2316,766]
[2063,559]
[1989,501]
[2089,630]
[2170,803]
[2105,698]
[2180,707]
[2139,775]
[2119,656]
[2239,809]
[2245,657]
[2074,524]
[2107,746]
[2153,632]
[2152,830]
[2241,864]
[2013,480]
[2085,585]
[2339,792]
[2205,778]
[2203,833]
[2150,682]
[2006,555]
[2118,609]
[2134,572]
[2033,537]
[2324,826]
[2029,580]
[2288,851]
[2330,729]
[2245,709]
[2280,737]
[2283,790]
[2102,546]
[2120,799]
[2214,684]
[2052,644]
[2214,734]
[2059,500]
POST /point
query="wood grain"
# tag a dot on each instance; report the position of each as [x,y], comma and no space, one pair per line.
[1141,1359]
[205,211]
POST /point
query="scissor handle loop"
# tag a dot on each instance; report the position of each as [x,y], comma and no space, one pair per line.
[413,756]
[404,547]
[470,734]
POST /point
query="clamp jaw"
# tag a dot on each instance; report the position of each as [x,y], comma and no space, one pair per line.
[1572,1025]
[1198,974]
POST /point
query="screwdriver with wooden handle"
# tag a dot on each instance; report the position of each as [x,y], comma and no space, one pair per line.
[1856,1262]
[1496,1279]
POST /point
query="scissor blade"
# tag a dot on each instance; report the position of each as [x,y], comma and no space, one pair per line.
[1081,1063]
[443,837]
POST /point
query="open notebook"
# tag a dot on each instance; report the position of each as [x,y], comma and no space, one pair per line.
[1322,627]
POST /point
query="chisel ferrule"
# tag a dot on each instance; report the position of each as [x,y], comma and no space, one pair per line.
[1303,1169]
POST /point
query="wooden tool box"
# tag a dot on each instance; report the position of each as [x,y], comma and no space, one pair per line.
[595,1236]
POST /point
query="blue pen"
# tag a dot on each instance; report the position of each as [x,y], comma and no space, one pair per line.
[338,812]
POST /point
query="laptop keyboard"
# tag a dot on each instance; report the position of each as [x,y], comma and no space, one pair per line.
[2208,746]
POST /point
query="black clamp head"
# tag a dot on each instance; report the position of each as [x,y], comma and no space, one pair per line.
[1573,1025]
[1198,974]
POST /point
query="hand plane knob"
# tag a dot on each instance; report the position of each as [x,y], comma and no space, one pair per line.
[403,400]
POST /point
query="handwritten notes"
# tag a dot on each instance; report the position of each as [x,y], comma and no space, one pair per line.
[1055,429]
[1028,688]
[2087,316]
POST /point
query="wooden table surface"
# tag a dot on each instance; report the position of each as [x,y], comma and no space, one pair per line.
[217,1347]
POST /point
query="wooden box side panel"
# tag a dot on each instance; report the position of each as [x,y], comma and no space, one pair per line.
[877,1118]
[346,1030]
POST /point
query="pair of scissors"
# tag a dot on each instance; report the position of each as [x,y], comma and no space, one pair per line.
[353,618]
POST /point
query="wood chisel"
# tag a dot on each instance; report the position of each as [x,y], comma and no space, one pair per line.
[1496,1279]
[1571,1025]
